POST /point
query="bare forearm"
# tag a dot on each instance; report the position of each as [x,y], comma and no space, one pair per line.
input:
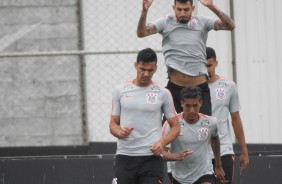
[168,156]
[173,133]
[226,22]
[141,28]
[240,136]
[114,129]
[215,144]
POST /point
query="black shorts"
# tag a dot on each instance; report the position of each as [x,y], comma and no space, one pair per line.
[227,162]
[175,91]
[210,178]
[139,169]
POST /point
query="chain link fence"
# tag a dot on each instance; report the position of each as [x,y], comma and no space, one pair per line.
[59,63]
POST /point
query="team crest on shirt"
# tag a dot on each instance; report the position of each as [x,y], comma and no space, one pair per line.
[220,94]
[192,24]
[203,134]
[152,98]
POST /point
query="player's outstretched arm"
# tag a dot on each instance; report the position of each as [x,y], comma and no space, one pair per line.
[142,28]
[224,22]
[174,157]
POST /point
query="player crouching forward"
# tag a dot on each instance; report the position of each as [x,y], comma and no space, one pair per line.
[190,150]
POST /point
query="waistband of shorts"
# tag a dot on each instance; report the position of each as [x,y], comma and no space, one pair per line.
[172,85]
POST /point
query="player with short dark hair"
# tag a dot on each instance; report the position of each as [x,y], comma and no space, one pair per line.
[184,45]
[225,101]
[136,120]
[190,150]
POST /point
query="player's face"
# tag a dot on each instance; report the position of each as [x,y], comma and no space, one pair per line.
[145,72]
[191,108]
[183,11]
[211,65]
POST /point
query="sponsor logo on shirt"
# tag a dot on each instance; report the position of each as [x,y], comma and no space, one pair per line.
[222,83]
[155,88]
[127,87]
[203,134]
[220,94]
[205,122]
[152,98]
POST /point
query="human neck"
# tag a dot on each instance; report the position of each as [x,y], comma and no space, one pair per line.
[190,121]
[139,84]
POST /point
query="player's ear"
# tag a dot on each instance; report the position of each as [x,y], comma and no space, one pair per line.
[201,102]
[216,63]
[182,104]
[135,65]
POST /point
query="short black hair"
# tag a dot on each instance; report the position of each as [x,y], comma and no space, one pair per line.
[147,55]
[191,92]
[210,53]
[183,1]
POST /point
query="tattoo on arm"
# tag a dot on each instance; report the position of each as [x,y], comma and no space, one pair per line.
[141,23]
[151,29]
[226,20]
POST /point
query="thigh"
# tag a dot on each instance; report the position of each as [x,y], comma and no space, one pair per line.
[228,167]
[151,171]
[125,169]
[206,179]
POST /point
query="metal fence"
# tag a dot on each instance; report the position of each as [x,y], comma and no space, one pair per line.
[59,63]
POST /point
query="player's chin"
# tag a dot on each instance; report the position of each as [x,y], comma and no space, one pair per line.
[183,20]
[192,116]
[145,81]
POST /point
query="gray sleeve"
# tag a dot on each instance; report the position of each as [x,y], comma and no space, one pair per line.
[215,130]
[116,108]
[208,22]
[168,106]
[160,24]
[234,105]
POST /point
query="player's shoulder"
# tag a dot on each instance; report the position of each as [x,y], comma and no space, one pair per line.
[224,81]
[127,85]
[157,87]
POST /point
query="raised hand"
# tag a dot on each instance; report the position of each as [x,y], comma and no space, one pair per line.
[147,4]
[206,3]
